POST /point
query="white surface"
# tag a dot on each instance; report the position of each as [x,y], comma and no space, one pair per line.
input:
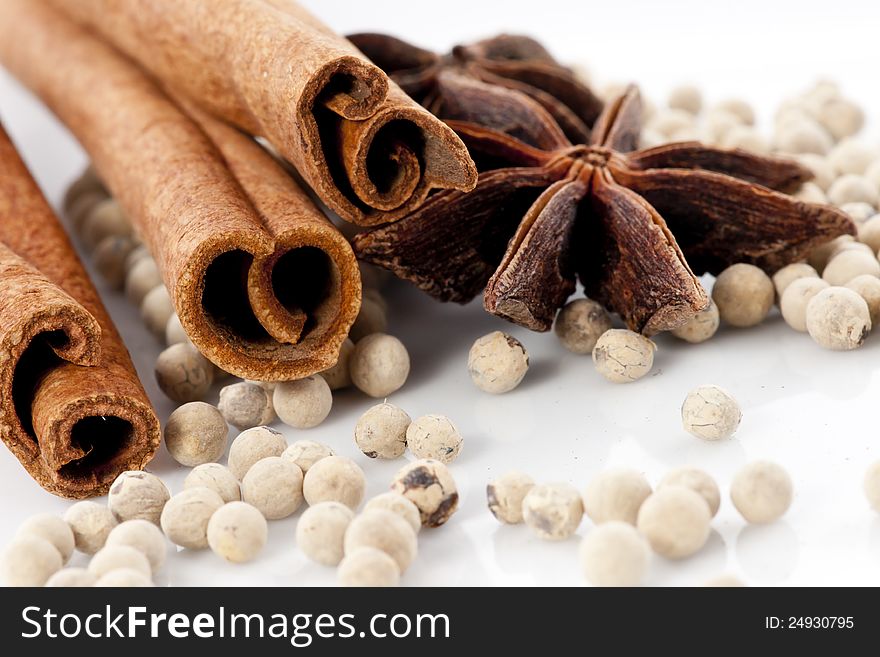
[813,411]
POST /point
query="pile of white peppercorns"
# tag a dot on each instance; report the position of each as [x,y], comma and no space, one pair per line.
[226,509]
[631,520]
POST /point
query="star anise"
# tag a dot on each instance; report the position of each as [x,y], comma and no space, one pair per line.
[622,220]
[507,61]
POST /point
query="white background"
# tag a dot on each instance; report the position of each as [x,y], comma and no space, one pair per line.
[813,411]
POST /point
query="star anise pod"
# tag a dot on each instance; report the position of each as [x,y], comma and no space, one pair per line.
[507,61]
[633,225]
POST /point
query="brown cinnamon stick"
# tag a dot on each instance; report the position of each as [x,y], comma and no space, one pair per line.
[71,407]
[265,286]
[269,67]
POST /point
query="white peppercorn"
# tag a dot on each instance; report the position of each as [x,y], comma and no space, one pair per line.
[803,136]
[156,309]
[872,486]
[718,123]
[623,356]
[338,376]
[381,432]
[553,511]
[505,496]
[113,557]
[305,453]
[70,578]
[137,254]
[91,524]
[109,259]
[711,413]
[237,532]
[105,219]
[851,156]
[196,434]
[215,477]
[669,122]
[848,264]
[841,117]
[379,365]
[850,188]
[174,333]
[183,374]
[429,485]
[580,323]
[838,319]
[29,561]
[616,495]
[820,255]
[137,494]
[434,437]
[698,481]
[789,274]
[724,581]
[614,554]
[397,503]
[251,445]
[745,137]
[811,193]
[850,245]
[869,233]
[761,491]
[859,212]
[87,182]
[303,403]
[245,405]
[142,535]
[274,486]
[337,479]
[686,97]
[497,362]
[186,515]
[370,567]
[868,287]
[701,326]
[371,319]
[675,520]
[53,529]
[823,173]
[124,578]
[739,108]
[793,303]
[320,532]
[384,531]
[744,295]
[142,276]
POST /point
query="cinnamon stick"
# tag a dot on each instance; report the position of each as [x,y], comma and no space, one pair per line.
[269,67]
[71,407]
[265,286]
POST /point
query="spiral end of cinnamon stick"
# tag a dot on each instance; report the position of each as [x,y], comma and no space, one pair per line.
[72,413]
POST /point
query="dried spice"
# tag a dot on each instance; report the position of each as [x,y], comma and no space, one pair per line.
[634,226]
[507,61]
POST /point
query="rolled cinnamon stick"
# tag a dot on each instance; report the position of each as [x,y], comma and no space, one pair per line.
[265,286]
[71,407]
[269,67]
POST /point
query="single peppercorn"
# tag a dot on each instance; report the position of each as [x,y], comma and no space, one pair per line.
[505,496]
[553,511]
[580,323]
[215,477]
[336,479]
[675,520]
[711,413]
[623,356]
[429,485]
[251,445]
[616,495]
[320,532]
[303,403]
[434,437]
[196,434]
[379,365]
[614,554]
[761,491]
[497,363]
[186,515]
[237,532]
[137,494]
[274,486]
[744,295]
[381,432]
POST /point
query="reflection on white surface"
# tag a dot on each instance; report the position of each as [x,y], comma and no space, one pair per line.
[768,554]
